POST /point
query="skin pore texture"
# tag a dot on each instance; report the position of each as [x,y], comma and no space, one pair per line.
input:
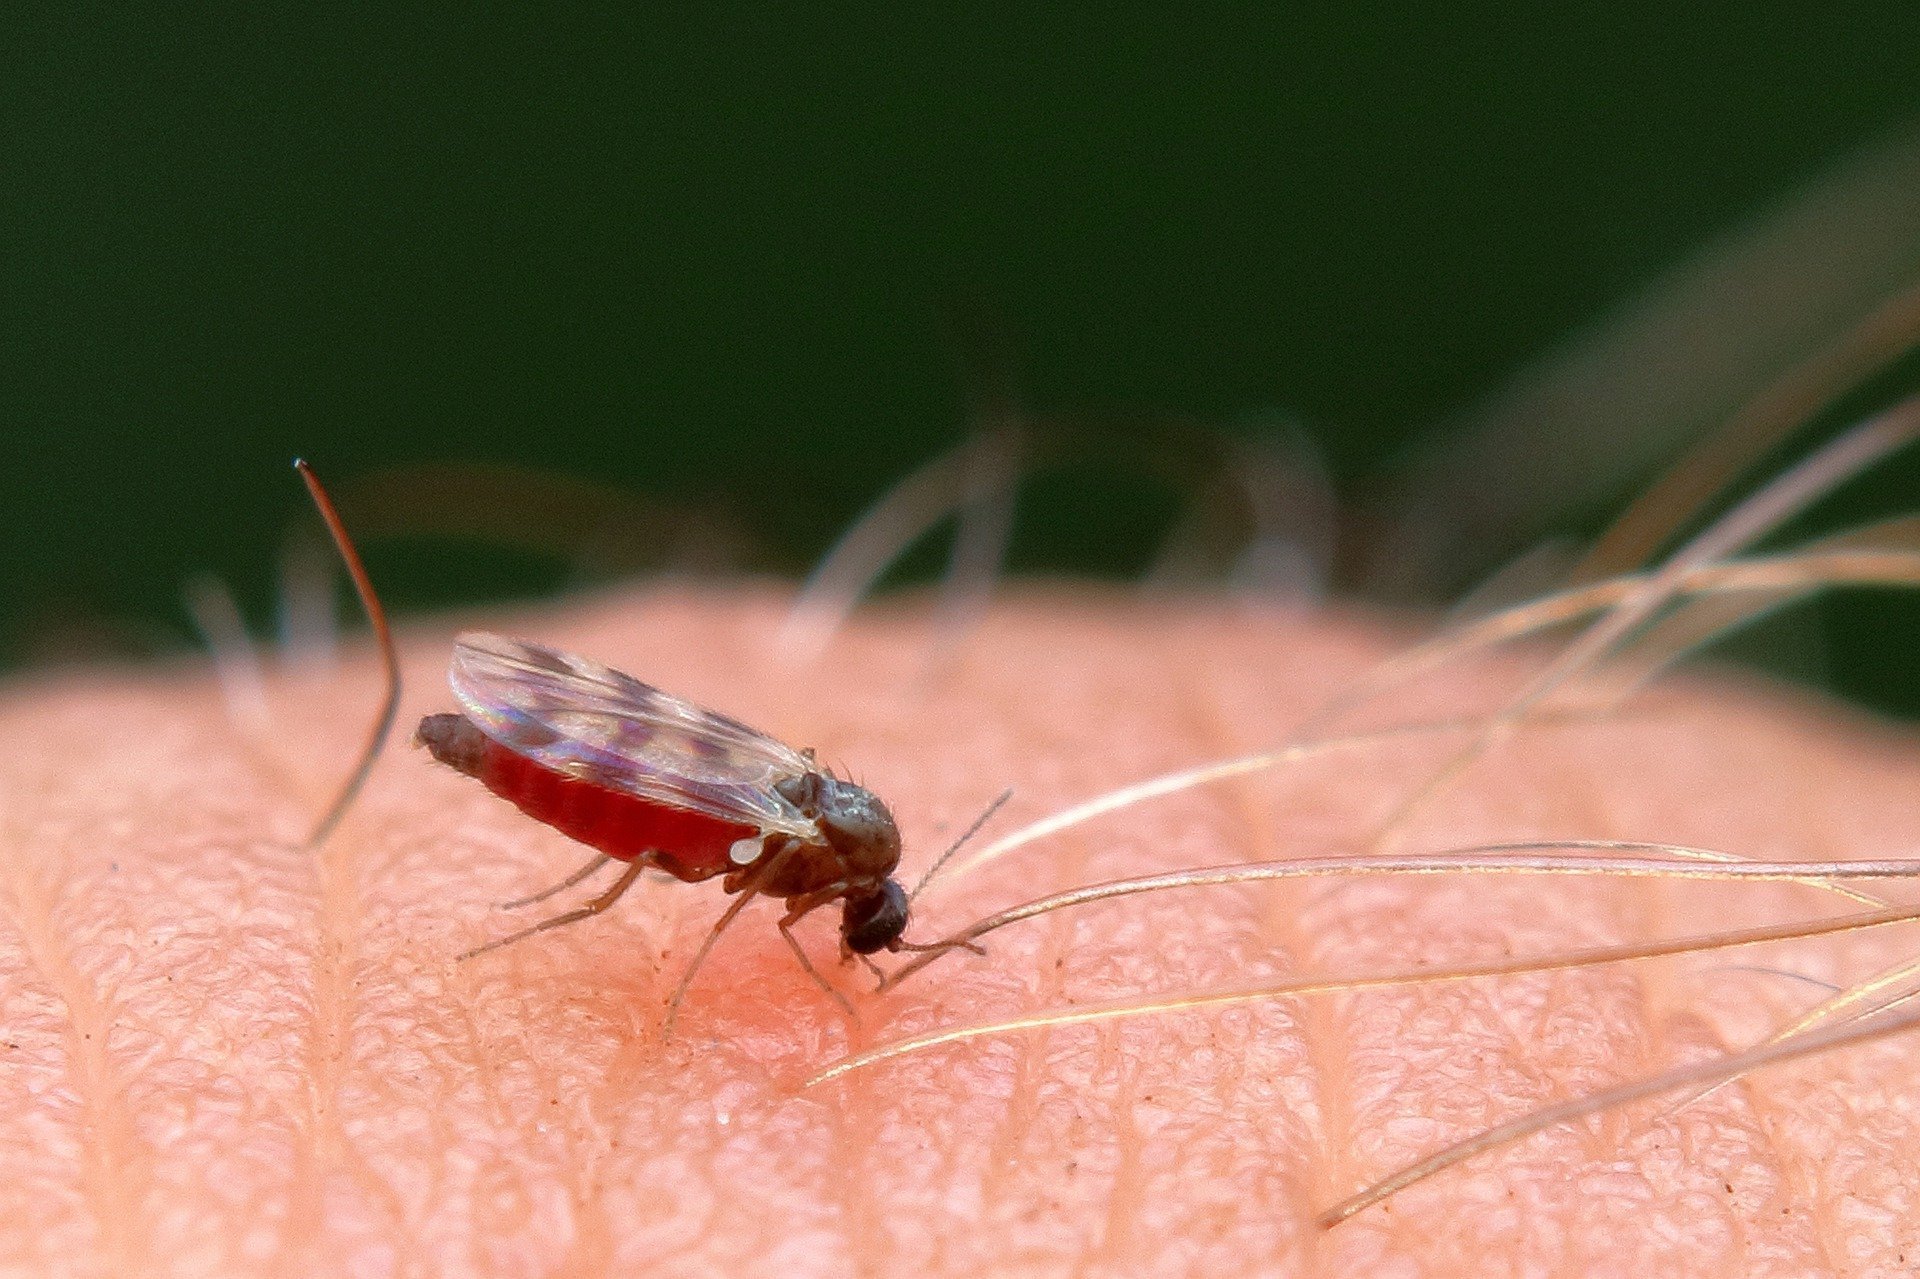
[223,1054]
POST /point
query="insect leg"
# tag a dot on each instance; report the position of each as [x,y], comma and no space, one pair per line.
[594,907]
[879,973]
[786,930]
[746,888]
[560,887]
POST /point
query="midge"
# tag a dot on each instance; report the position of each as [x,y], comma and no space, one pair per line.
[654,781]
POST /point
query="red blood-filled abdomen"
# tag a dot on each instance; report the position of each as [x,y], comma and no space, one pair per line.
[690,846]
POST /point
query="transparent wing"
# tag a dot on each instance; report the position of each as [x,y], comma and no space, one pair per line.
[591,722]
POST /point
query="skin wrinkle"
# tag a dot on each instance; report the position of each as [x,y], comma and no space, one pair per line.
[1330,1112]
[59,875]
[1529,1068]
[1276,1166]
[860,1216]
[325,1147]
[112,1173]
[632,1173]
[1112,1246]
[1588,809]
[1025,1116]
[1018,1119]
[1746,1110]
[1771,1101]
[1757,1101]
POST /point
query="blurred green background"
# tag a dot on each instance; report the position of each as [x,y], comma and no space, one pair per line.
[745,264]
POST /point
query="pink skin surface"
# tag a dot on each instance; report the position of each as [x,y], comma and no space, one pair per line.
[223,1055]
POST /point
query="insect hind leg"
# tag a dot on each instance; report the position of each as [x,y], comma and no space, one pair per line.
[592,908]
[560,887]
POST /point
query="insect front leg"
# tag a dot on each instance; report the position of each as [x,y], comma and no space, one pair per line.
[786,930]
[797,909]
[847,954]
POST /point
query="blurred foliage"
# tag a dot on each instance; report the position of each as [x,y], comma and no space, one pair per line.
[733,269]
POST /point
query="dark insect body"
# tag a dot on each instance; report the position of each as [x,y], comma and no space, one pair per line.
[648,779]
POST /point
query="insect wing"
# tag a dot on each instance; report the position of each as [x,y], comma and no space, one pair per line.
[594,723]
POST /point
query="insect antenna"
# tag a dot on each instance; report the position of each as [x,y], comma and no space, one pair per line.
[939,947]
[957,844]
[389,658]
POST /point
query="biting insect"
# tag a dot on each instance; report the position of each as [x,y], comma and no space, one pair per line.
[651,780]
[654,781]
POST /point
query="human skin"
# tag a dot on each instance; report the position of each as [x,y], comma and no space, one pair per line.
[223,1054]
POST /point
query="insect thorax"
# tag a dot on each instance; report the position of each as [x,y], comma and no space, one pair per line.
[855,824]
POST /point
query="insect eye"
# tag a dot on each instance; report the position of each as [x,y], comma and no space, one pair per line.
[868,924]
